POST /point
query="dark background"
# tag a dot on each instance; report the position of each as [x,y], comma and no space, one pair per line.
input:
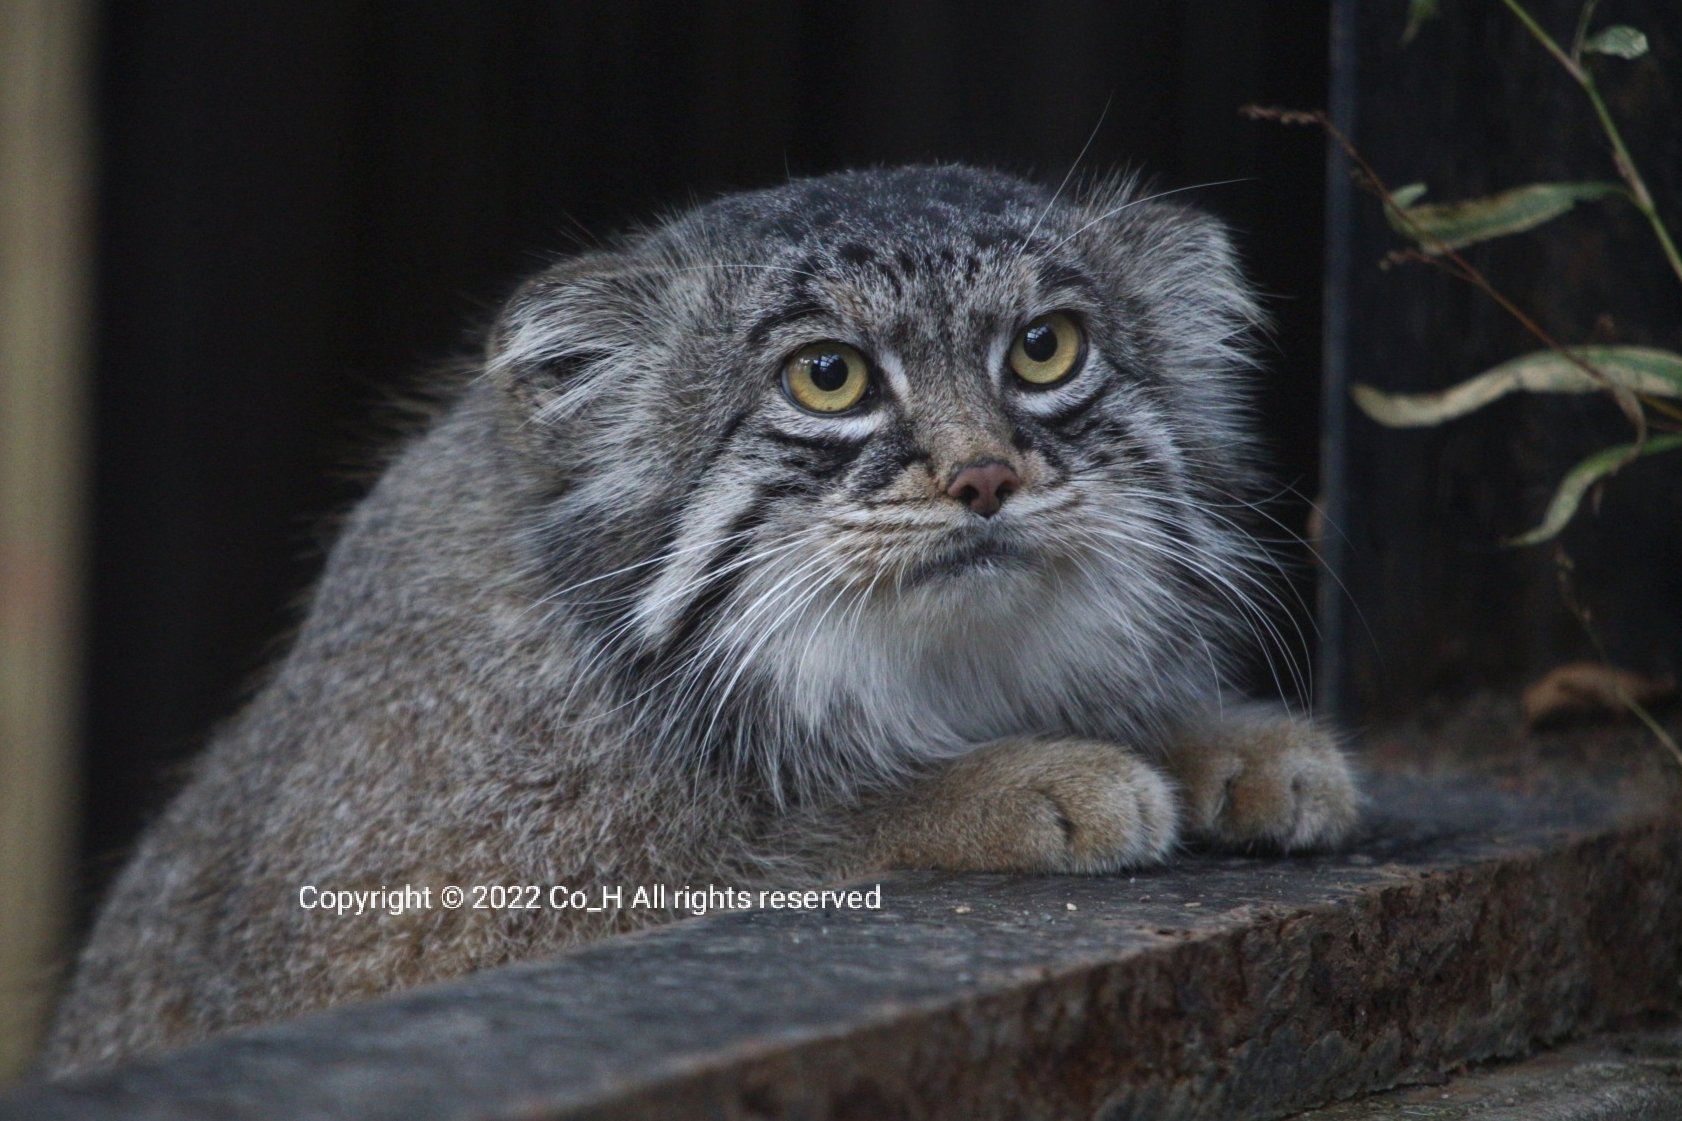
[1431,605]
[304,206]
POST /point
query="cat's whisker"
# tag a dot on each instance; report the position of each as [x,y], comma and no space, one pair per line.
[1320,560]
[563,593]
[1261,554]
[808,590]
[1223,583]
[1229,576]
[726,634]
[683,593]
[1051,203]
[1189,620]
[815,629]
[1145,533]
[1132,202]
[607,646]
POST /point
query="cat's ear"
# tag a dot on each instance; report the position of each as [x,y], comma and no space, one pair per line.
[1201,276]
[1179,263]
[561,336]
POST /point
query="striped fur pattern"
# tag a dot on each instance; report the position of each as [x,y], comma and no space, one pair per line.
[627,614]
[794,595]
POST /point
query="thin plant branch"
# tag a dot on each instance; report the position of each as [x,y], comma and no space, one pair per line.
[1451,261]
[1563,568]
[1577,40]
[1584,77]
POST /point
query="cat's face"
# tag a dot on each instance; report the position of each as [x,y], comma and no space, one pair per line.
[926,430]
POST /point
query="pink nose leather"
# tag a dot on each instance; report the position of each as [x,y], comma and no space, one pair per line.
[983,486]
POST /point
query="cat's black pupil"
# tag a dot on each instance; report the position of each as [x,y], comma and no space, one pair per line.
[829,372]
[1040,343]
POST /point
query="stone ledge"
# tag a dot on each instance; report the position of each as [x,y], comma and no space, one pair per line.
[1635,1076]
[1505,894]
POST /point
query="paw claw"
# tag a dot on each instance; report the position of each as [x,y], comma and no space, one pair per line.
[1113,811]
[1047,806]
[1273,780]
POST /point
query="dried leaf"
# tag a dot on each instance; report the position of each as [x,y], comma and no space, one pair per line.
[1452,225]
[1620,40]
[1583,476]
[1581,689]
[1640,369]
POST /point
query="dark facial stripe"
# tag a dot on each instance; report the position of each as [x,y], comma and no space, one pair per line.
[819,466]
[1054,275]
[855,254]
[725,436]
[812,458]
[1078,409]
[721,574]
[800,305]
[825,455]
[1030,436]
[720,578]
[1113,441]
[891,453]
[1095,425]
[796,440]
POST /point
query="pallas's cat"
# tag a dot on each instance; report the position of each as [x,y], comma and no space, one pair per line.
[889,519]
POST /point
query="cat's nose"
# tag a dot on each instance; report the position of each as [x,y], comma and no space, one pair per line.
[984,485]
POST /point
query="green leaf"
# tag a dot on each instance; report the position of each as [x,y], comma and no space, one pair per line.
[1418,12]
[1619,39]
[1580,478]
[1639,369]
[1451,225]
[1404,197]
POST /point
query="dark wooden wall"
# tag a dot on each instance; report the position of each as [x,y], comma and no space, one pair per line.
[1435,607]
[303,205]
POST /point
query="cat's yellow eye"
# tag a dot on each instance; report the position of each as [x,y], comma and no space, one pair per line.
[1048,349]
[826,377]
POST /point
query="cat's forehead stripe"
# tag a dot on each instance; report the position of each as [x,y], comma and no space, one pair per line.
[1054,274]
[799,305]
[950,280]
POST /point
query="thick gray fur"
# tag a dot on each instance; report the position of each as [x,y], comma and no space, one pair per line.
[626,615]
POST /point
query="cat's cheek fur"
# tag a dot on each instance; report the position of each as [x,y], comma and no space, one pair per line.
[1256,776]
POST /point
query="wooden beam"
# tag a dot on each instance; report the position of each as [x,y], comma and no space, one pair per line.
[44,280]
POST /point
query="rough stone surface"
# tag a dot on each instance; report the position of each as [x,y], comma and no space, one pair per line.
[1626,1077]
[1505,894]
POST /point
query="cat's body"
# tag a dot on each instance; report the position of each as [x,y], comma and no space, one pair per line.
[660,600]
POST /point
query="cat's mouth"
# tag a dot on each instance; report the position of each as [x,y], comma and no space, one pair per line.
[972,555]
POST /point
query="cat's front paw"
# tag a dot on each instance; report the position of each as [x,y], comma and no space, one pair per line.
[1265,778]
[1037,806]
